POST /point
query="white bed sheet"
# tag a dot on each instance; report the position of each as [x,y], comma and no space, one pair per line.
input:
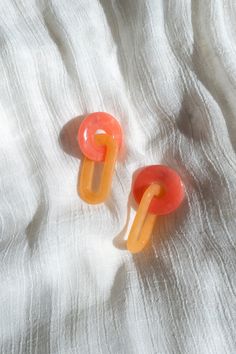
[167,70]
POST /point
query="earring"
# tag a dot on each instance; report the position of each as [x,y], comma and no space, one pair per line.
[158,190]
[100,139]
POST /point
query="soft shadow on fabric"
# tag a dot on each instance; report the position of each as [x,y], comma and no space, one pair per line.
[120,240]
[33,228]
[69,143]
[68,137]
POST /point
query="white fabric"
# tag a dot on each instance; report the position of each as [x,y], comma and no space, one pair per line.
[167,70]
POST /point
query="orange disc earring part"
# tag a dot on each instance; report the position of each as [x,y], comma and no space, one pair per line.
[159,190]
[172,192]
[94,122]
[87,173]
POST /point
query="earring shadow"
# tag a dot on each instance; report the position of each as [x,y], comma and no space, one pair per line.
[119,240]
[68,137]
[68,140]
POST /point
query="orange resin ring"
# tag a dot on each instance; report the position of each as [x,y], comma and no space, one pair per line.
[98,122]
[172,189]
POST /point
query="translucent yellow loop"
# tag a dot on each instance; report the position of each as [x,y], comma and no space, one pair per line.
[143,224]
[86,177]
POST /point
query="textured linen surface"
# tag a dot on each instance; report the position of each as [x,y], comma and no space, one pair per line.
[167,70]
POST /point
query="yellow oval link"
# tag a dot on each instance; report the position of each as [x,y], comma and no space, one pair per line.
[144,222]
[86,177]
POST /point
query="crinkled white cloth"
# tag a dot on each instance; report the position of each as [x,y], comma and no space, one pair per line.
[167,70]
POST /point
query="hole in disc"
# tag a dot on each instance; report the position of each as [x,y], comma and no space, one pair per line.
[100,131]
